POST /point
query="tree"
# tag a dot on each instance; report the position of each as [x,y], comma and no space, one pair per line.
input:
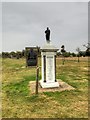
[18,54]
[12,54]
[73,54]
[82,53]
[63,53]
[87,49]
[78,50]
[5,55]
[67,54]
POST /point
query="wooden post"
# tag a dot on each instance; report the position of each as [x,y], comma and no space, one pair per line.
[55,67]
[37,73]
[37,80]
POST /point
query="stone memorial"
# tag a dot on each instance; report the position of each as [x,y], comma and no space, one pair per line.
[31,56]
[48,59]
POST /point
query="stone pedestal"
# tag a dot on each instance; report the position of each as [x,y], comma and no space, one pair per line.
[48,56]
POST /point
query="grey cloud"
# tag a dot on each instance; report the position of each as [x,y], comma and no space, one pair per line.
[67,21]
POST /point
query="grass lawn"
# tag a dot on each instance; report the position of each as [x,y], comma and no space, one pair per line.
[18,102]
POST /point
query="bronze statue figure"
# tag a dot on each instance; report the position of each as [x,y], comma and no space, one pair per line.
[47,32]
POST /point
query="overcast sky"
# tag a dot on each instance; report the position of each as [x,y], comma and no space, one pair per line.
[24,24]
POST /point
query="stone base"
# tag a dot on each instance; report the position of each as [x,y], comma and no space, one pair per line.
[62,87]
[49,84]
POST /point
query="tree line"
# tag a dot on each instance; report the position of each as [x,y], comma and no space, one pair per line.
[21,54]
[13,54]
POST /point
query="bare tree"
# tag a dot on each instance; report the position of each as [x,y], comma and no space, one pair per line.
[87,49]
[78,50]
[87,46]
[63,52]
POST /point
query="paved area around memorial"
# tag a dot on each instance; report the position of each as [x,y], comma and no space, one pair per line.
[62,87]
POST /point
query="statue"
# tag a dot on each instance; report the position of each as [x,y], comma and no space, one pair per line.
[47,32]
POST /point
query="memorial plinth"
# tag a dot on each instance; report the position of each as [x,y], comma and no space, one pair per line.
[48,56]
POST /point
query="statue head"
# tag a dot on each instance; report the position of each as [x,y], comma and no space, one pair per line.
[47,28]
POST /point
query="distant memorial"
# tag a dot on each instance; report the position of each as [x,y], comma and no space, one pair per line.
[31,56]
[48,59]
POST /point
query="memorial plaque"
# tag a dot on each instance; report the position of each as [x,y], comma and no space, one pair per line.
[49,68]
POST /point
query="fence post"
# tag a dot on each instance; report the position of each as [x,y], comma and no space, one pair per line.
[37,80]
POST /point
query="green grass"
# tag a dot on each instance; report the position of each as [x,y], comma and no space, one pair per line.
[18,102]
